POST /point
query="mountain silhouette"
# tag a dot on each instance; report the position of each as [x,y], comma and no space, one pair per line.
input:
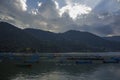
[13,39]
[113,38]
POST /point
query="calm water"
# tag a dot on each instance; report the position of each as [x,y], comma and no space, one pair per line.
[50,71]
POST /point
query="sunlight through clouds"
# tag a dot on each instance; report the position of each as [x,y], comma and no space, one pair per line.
[75,10]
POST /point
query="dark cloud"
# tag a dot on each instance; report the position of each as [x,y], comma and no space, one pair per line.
[103,30]
[107,6]
[48,9]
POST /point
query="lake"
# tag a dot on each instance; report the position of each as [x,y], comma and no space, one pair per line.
[50,71]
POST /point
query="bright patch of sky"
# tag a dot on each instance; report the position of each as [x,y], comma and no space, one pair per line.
[75,10]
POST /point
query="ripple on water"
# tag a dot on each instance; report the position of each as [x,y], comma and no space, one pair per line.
[103,72]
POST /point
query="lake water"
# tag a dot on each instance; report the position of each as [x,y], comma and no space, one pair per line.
[50,71]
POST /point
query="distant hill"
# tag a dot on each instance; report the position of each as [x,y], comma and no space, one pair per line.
[40,34]
[61,44]
[13,39]
[113,38]
[76,38]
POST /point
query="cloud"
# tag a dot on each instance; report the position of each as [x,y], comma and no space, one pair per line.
[39,4]
[20,4]
[48,9]
[13,11]
[14,4]
[74,10]
[100,17]
[107,6]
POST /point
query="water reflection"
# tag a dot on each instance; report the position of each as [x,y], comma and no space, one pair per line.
[48,71]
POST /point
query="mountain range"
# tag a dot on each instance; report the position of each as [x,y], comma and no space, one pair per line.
[14,39]
[113,38]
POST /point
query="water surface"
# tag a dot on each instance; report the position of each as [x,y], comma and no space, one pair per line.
[50,71]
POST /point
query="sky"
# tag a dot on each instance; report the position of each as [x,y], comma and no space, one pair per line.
[100,17]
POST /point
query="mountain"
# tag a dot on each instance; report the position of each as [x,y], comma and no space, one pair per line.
[61,44]
[113,38]
[83,40]
[84,37]
[41,35]
[13,39]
